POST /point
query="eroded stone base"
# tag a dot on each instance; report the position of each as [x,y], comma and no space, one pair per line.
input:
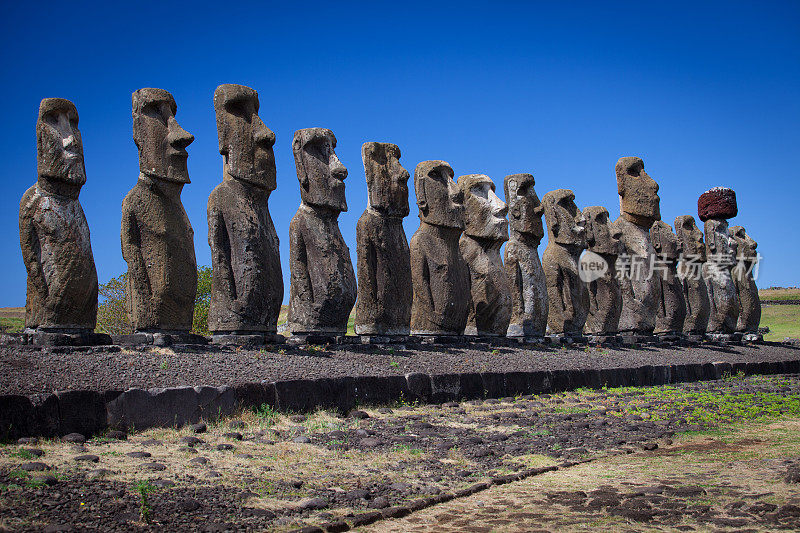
[37,337]
[159,338]
[233,339]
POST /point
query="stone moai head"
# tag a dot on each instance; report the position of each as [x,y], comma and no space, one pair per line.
[244,140]
[59,148]
[638,192]
[745,245]
[565,222]
[319,171]
[524,208]
[691,237]
[484,212]
[602,237]
[387,180]
[440,200]
[158,136]
[664,242]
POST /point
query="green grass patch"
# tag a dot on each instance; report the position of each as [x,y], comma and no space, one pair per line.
[11,324]
[783,321]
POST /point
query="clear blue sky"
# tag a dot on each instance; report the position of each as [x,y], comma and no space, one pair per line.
[706,93]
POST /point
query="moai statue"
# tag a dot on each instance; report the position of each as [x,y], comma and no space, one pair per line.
[323,284]
[246,282]
[157,238]
[744,280]
[714,207]
[672,308]
[384,299]
[485,231]
[566,292]
[54,235]
[605,295]
[690,270]
[639,205]
[440,276]
[523,267]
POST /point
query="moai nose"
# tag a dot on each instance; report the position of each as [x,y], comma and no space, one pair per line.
[177,136]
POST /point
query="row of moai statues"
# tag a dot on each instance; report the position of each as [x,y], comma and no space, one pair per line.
[450,280]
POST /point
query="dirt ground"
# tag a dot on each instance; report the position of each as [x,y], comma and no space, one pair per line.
[656,466]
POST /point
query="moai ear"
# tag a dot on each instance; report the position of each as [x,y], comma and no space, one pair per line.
[422,197]
[515,212]
[298,160]
[590,240]
[655,238]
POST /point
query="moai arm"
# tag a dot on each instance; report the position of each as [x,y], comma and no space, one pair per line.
[567,296]
[137,270]
[219,242]
[29,242]
[367,262]
[422,290]
[298,266]
[554,295]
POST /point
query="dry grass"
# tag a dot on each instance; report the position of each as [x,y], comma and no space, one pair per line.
[779,294]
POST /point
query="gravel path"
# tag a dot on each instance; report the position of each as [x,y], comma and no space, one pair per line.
[25,370]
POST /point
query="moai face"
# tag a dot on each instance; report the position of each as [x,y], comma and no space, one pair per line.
[565,222]
[745,245]
[387,180]
[58,142]
[664,242]
[484,212]
[524,208]
[601,237]
[718,241]
[319,170]
[161,140]
[244,140]
[691,237]
[638,192]
[440,200]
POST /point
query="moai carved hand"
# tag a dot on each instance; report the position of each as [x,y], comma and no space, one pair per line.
[690,271]
[54,234]
[323,283]
[605,295]
[157,238]
[566,292]
[714,207]
[385,293]
[522,265]
[744,280]
[440,277]
[247,282]
[672,308]
[639,204]
[485,231]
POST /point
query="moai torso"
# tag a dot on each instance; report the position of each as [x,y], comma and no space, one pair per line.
[690,270]
[323,284]
[526,279]
[158,245]
[247,282]
[157,238]
[714,207]
[672,307]
[440,277]
[566,292]
[485,231]
[385,292]
[640,286]
[54,235]
[605,295]
[744,280]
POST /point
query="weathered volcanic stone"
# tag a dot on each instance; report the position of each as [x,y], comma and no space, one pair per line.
[53,233]
[524,269]
[720,253]
[157,238]
[719,202]
[690,270]
[566,292]
[247,282]
[440,277]
[744,280]
[672,309]
[323,284]
[639,204]
[384,299]
[605,295]
[485,231]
